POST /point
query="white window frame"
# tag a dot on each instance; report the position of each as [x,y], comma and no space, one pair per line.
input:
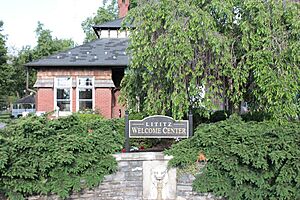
[62,113]
[85,87]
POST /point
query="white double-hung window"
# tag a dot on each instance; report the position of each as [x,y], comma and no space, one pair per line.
[63,94]
[85,93]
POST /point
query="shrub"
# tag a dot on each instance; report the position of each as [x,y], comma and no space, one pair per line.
[203,116]
[246,160]
[255,116]
[87,117]
[41,156]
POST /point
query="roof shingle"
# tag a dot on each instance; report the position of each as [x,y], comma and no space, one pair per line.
[111,24]
[100,52]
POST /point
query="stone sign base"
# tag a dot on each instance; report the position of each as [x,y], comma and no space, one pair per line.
[158,181]
[141,176]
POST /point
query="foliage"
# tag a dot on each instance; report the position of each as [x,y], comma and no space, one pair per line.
[255,116]
[246,160]
[107,12]
[41,156]
[211,117]
[233,51]
[3,65]
[3,49]
[47,44]
[87,117]
[221,115]
[13,73]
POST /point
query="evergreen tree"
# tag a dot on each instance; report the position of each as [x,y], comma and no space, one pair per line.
[3,49]
[5,69]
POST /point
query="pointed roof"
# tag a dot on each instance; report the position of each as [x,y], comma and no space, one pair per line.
[100,52]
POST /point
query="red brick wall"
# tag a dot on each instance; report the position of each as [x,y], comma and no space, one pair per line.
[117,106]
[103,96]
[45,100]
[74,99]
[103,100]
[98,73]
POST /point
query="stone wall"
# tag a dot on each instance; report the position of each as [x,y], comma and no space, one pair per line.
[185,189]
[138,177]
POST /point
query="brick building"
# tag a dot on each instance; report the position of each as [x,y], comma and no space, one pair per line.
[86,77]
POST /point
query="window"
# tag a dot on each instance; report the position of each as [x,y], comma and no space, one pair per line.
[85,93]
[63,94]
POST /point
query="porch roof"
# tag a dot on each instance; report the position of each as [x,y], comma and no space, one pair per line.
[28,100]
[115,24]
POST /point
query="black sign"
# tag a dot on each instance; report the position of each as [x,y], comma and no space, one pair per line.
[158,126]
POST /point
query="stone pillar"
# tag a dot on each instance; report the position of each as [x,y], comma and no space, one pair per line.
[157,181]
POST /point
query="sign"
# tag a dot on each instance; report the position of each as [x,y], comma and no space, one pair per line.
[158,126]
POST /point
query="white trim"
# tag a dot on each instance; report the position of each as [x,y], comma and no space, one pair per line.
[86,87]
[93,95]
[63,113]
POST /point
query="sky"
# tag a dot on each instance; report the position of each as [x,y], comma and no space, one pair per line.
[62,17]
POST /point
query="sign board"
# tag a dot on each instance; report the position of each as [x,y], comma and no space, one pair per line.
[158,126]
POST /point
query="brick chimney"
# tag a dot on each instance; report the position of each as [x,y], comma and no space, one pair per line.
[123,7]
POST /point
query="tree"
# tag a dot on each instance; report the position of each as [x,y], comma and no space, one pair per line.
[234,50]
[3,49]
[4,69]
[107,12]
[47,45]
[13,73]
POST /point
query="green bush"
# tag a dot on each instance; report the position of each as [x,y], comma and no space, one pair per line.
[255,116]
[203,116]
[41,156]
[246,160]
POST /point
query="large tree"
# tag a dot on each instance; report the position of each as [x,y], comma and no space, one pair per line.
[233,50]
[46,45]
[13,73]
[3,49]
[5,69]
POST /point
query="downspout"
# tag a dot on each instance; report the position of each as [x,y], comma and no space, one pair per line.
[27,81]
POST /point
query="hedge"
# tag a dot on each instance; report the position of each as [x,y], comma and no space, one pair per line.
[41,156]
[245,160]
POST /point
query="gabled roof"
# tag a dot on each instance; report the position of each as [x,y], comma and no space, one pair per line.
[100,52]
